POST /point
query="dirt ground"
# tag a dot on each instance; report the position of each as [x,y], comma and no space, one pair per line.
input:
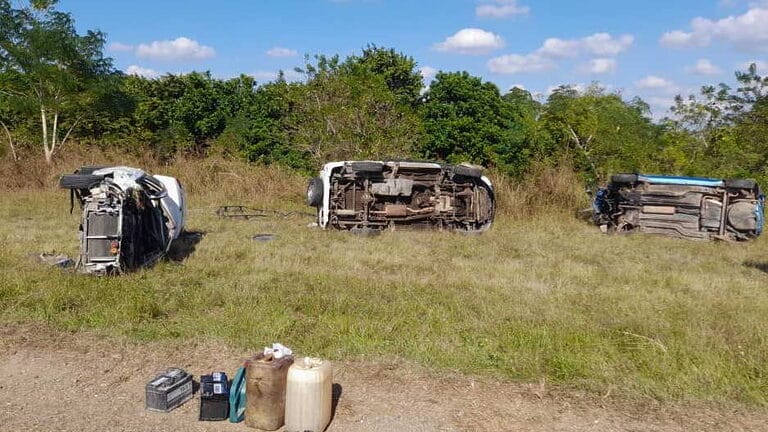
[57,381]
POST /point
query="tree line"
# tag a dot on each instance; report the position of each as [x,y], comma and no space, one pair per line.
[58,87]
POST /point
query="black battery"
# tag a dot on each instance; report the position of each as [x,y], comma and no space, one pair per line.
[169,390]
[214,397]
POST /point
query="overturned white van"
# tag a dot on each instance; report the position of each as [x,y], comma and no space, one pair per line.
[129,219]
[375,195]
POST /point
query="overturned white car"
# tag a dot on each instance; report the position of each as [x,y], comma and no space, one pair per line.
[374,195]
[130,218]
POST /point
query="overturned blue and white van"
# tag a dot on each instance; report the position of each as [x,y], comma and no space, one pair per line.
[689,207]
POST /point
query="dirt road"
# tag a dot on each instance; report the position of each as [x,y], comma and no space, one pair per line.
[55,381]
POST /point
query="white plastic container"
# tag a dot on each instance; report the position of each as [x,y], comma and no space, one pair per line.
[308,395]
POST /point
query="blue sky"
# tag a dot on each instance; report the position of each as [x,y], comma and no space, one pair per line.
[651,48]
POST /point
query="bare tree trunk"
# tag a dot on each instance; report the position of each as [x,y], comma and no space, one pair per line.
[329,126]
[48,151]
[584,147]
[10,141]
[55,134]
[69,131]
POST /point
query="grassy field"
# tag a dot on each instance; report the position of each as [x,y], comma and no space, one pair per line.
[542,297]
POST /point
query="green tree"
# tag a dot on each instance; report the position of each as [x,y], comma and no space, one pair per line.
[527,140]
[600,131]
[48,68]
[186,112]
[349,113]
[205,104]
[106,119]
[398,70]
[751,134]
[8,120]
[466,120]
[721,131]
[259,132]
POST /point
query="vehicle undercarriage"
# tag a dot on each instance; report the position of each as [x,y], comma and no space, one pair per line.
[687,207]
[382,195]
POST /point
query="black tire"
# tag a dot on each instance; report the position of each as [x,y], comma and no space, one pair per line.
[89,169]
[315,192]
[467,171]
[624,178]
[367,167]
[740,184]
[79,181]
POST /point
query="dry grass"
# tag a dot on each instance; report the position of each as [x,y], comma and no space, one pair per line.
[209,179]
[545,190]
[541,297]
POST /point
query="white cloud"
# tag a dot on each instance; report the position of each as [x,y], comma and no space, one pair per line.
[471,41]
[660,102]
[265,76]
[599,66]
[292,75]
[181,48]
[681,39]
[517,86]
[282,52]
[761,65]
[579,87]
[704,67]
[428,73]
[748,31]
[120,47]
[653,82]
[515,63]
[660,106]
[501,9]
[559,48]
[599,44]
[140,71]
[602,45]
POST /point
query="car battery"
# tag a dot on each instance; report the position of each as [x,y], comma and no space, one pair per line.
[214,397]
[169,390]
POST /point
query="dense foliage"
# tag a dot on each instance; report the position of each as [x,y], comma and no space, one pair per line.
[57,84]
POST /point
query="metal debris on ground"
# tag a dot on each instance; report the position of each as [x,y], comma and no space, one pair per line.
[246,213]
[264,237]
[52,260]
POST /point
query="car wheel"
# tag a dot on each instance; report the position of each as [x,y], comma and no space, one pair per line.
[79,181]
[740,184]
[315,192]
[89,169]
[367,167]
[467,171]
[624,178]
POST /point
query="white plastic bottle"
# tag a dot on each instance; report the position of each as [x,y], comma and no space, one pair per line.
[308,395]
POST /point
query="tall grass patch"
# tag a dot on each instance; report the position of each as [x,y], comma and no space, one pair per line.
[542,296]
